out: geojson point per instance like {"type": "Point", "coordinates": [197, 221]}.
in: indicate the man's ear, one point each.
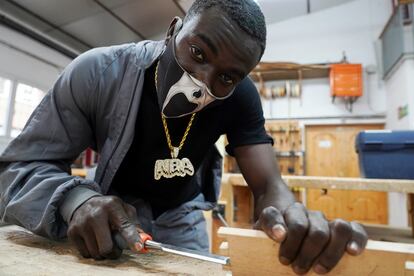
{"type": "Point", "coordinates": [175, 26]}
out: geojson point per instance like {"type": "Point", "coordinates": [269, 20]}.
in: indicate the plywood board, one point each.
{"type": "Point", "coordinates": [330, 149]}
{"type": "Point", "coordinates": [22, 253]}
{"type": "Point", "coordinates": [330, 152]}
{"type": "Point", "coordinates": [253, 253]}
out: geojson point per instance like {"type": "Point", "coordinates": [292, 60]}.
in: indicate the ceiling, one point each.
{"type": "Point", "coordinates": [82, 24]}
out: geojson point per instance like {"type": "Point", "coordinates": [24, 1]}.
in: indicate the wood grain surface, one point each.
{"type": "Point", "coordinates": [253, 253]}
{"type": "Point", "coordinates": [23, 253]}
{"type": "Point", "coordinates": [337, 183]}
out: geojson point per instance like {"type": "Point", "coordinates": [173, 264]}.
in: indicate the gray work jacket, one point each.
{"type": "Point", "coordinates": [94, 103]}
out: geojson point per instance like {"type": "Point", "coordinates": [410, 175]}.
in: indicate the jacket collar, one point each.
{"type": "Point", "coordinates": [148, 51]}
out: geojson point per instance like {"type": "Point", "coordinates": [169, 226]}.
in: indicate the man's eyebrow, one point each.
{"type": "Point", "coordinates": [209, 43]}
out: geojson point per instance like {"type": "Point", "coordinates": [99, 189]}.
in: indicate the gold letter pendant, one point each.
{"type": "Point", "coordinates": [170, 168]}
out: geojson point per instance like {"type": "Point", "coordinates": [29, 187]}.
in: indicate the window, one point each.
{"type": "Point", "coordinates": [27, 98]}
{"type": "Point", "coordinates": [17, 103]}
{"type": "Point", "coordinates": [5, 92]}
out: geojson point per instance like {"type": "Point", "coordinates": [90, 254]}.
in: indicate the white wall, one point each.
{"type": "Point", "coordinates": [400, 91]}
{"type": "Point", "coordinates": [40, 70]}
{"type": "Point", "coordinates": [322, 37]}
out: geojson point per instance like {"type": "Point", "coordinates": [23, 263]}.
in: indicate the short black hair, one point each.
{"type": "Point", "coordinates": [246, 13]}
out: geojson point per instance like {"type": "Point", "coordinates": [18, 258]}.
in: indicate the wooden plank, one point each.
{"type": "Point", "coordinates": [226, 194]}
{"type": "Point", "coordinates": [243, 207]}
{"type": "Point", "coordinates": [253, 253]}
{"type": "Point", "coordinates": [216, 241]}
{"type": "Point", "coordinates": [339, 183]}
{"type": "Point", "coordinates": [23, 253]}
{"type": "Point", "coordinates": [216, 223]}
{"type": "Point", "coordinates": [388, 233]}
{"type": "Point", "coordinates": [404, 2]}
{"type": "Point", "coordinates": [411, 211]}
{"type": "Point", "coordinates": [79, 172]}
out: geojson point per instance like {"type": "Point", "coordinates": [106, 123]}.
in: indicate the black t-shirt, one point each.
{"type": "Point", "coordinates": [240, 117]}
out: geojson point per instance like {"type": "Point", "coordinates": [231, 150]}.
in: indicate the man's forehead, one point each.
{"type": "Point", "coordinates": [210, 19]}
{"type": "Point", "coordinates": [214, 27]}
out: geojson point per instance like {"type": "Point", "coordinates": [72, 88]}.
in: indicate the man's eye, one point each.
{"type": "Point", "coordinates": [197, 53]}
{"type": "Point", "coordinates": [226, 79]}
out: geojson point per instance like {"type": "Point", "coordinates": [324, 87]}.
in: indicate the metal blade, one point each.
{"type": "Point", "coordinates": [188, 252]}
{"type": "Point", "coordinates": [120, 241]}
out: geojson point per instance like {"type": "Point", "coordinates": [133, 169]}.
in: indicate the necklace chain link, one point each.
{"type": "Point", "coordinates": [164, 122]}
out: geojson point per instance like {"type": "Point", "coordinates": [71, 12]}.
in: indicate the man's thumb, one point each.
{"type": "Point", "coordinates": [271, 221]}
{"type": "Point", "coordinates": [129, 238]}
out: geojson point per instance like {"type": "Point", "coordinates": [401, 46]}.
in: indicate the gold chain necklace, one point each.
{"type": "Point", "coordinates": [169, 168]}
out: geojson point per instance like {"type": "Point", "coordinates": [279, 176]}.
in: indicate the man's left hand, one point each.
{"type": "Point", "coordinates": [309, 240]}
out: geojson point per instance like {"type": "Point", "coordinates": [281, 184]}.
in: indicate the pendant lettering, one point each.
{"type": "Point", "coordinates": [170, 168]}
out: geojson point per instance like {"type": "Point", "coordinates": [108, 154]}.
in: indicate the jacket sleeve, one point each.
{"type": "Point", "coordinates": [35, 167]}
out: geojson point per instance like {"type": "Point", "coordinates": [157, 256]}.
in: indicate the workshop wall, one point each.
{"type": "Point", "coordinates": [400, 95]}
{"type": "Point", "coordinates": [321, 37]}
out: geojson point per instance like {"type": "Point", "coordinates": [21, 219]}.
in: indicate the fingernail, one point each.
{"type": "Point", "coordinates": [278, 232]}
{"type": "Point", "coordinates": [299, 270]}
{"type": "Point", "coordinates": [320, 269]}
{"type": "Point", "coordinates": [284, 260]}
{"type": "Point", "coordinates": [354, 247]}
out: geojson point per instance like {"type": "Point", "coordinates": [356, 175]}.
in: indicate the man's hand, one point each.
{"type": "Point", "coordinates": [93, 223]}
{"type": "Point", "coordinates": [309, 240]}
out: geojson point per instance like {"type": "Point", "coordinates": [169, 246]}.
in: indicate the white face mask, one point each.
{"type": "Point", "coordinates": [186, 95]}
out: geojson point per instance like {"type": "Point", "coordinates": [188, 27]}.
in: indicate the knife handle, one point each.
{"type": "Point", "coordinates": [122, 244]}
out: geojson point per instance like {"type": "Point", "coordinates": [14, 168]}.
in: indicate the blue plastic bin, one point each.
{"type": "Point", "coordinates": [386, 154]}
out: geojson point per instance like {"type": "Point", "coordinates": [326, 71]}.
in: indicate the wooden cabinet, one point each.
{"type": "Point", "coordinates": [330, 202]}
{"type": "Point", "coordinates": [369, 207]}
{"type": "Point", "coordinates": [331, 152]}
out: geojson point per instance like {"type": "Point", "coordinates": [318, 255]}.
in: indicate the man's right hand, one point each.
{"type": "Point", "coordinates": [95, 221]}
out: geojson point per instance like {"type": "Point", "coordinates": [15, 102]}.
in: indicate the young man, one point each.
{"type": "Point", "coordinates": [153, 111]}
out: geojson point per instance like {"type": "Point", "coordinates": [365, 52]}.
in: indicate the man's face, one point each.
{"type": "Point", "coordinates": [214, 50]}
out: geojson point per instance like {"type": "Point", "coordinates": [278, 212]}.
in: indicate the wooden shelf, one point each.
{"type": "Point", "coordinates": [289, 71]}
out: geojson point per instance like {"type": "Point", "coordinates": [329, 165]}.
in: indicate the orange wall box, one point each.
{"type": "Point", "coordinates": [346, 80]}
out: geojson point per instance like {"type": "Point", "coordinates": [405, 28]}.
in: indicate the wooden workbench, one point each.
{"type": "Point", "coordinates": [339, 183]}
{"type": "Point", "coordinates": [23, 253]}
{"type": "Point", "coordinates": [252, 253]}
{"type": "Point", "coordinates": [236, 182]}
